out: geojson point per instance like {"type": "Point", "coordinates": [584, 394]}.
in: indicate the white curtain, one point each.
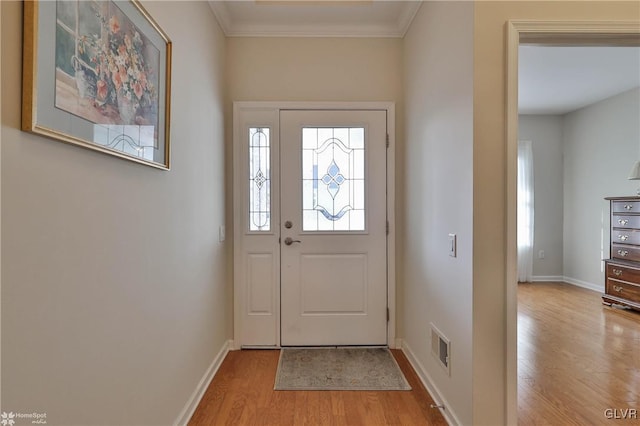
{"type": "Point", "coordinates": [525, 211]}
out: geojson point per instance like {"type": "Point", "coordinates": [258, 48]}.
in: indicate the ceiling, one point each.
{"type": "Point", "coordinates": [558, 80]}
{"type": "Point", "coordinates": [315, 18]}
{"type": "Point", "coordinates": [552, 79]}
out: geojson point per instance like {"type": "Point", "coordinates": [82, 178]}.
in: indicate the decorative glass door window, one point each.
{"type": "Point", "coordinates": [333, 179]}
{"type": "Point", "coordinates": [259, 179]}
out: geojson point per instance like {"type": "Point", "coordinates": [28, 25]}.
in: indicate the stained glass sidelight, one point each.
{"type": "Point", "coordinates": [333, 179]}
{"type": "Point", "coordinates": [259, 179]}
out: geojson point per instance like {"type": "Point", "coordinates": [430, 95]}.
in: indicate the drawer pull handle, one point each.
{"type": "Point", "coordinates": [617, 288]}
{"type": "Point", "coordinates": [623, 221]}
{"type": "Point", "coordinates": [623, 253]}
{"type": "Point", "coordinates": [628, 206]}
{"type": "Point", "coordinates": [623, 237]}
{"type": "Point", "coordinates": [617, 272]}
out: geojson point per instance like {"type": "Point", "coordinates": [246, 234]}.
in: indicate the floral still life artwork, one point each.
{"type": "Point", "coordinates": [97, 73]}
{"type": "Point", "coordinates": [106, 70]}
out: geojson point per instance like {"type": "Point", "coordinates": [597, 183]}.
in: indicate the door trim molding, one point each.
{"type": "Point", "coordinates": [553, 33]}
{"type": "Point", "coordinates": [274, 106]}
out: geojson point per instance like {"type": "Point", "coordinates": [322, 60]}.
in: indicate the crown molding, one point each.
{"type": "Point", "coordinates": [408, 14]}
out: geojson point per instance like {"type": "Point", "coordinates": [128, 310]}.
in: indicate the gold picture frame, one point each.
{"type": "Point", "coordinates": [98, 74]}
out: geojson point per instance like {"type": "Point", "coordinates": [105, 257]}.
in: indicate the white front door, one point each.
{"type": "Point", "coordinates": [333, 227]}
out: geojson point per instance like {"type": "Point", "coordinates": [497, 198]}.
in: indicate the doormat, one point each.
{"type": "Point", "coordinates": [339, 369]}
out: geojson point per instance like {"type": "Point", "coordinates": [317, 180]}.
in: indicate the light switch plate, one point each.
{"type": "Point", "coordinates": [453, 245]}
{"type": "Point", "coordinates": [221, 233]}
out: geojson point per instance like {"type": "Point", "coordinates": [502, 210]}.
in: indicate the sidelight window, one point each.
{"type": "Point", "coordinates": [259, 179]}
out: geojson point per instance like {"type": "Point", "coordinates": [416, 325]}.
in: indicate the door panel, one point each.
{"type": "Point", "coordinates": [259, 286]}
{"type": "Point", "coordinates": [333, 233]}
{"type": "Point", "coordinates": [325, 275]}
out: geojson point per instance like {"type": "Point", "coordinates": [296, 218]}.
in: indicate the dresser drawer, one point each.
{"type": "Point", "coordinates": [625, 236]}
{"type": "Point", "coordinates": [620, 251]}
{"type": "Point", "coordinates": [625, 221]}
{"type": "Point", "coordinates": [625, 207]}
{"type": "Point", "coordinates": [623, 290]}
{"type": "Point", "coordinates": [623, 273]}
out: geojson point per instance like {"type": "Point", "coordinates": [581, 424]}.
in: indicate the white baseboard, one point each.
{"type": "Point", "coordinates": [447, 412]}
{"type": "Point", "coordinates": [568, 280]}
{"type": "Point", "coordinates": [547, 278]}
{"type": "Point", "coordinates": [198, 393]}
{"type": "Point", "coordinates": [589, 286]}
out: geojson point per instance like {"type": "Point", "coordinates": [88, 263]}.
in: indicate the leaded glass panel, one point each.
{"type": "Point", "coordinates": [333, 179]}
{"type": "Point", "coordinates": [259, 179]}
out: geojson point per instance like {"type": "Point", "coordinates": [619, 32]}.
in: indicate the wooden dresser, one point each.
{"type": "Point", "coordinates": [622, 275]}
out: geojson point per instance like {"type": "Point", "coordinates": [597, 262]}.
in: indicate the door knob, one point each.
{"type": "Point", "coordinates": [288, 241]}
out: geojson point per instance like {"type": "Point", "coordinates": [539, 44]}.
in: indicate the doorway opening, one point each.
{"type": "Point", "coordinates": [542, 34]}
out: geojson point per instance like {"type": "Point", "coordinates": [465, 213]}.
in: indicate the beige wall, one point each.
{"type": "Point", "coordinates": [114, 293]}
{"type": "Point", "coordinates": [490, 305]}
{"type": "Point", "coordinates": [317, 69]}
{"type": "Point", "coordinates": [600, 148]}
{"type": "Point", "coordinates": [545, 133]}
{"type": "Point", "coordinates": [438, 174]}
{"type": "Point", "coordinates": [314, 69]}
{"type": "Point", "coordinates": [579, 158]}
{"type": "Point", "coordinates": [0, 213]}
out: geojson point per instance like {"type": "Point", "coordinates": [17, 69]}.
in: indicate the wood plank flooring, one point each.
{"type": "Point", "coordinates": [242, 393]}
{"type": "Point", "coordinates": [576, 357]}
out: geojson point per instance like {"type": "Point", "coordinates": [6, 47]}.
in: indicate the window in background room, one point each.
{"type": "Point", "coordinates": [525, 211]}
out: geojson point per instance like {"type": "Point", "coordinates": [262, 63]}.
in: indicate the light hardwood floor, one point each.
{"type": "Point", "coordinates": [576, 357]}
{"type": "Point", "coordinates": [242, 393]}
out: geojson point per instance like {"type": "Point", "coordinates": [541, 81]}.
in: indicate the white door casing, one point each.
{"type": "Point", "coordinates": [257, 251]}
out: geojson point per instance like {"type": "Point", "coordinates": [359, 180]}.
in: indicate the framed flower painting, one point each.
{"type": "Point", "coordinates": [98, 74]}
